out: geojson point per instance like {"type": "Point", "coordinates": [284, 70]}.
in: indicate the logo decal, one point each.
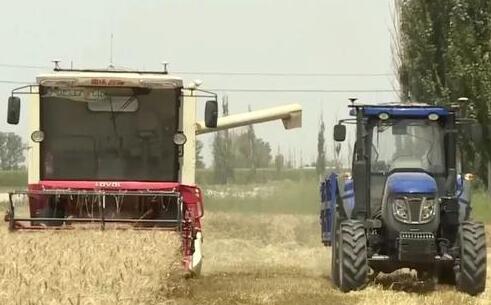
{"type": "Point", "coordinates": [107, 184]}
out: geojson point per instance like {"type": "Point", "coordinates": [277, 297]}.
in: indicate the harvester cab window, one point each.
{"type": "Point", "coordinates": [109, 134]}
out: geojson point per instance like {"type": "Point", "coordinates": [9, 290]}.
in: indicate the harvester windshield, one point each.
{"type": "Point", "coordinates": [407, 144]}
{"type": "Point", "coordinates": [108, 134]}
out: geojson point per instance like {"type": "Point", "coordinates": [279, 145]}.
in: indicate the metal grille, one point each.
{"type": "Point", "coordinates": [416, 235]}
{"type": "Point", "coordinates": [414, 208]}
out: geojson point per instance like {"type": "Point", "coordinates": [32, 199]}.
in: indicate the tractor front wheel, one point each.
{"type": "Point", "coordinates": [352, 256]}
{"type": "Point", "coordinates": [470, 276]}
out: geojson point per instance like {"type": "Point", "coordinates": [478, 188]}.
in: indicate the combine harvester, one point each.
{"type": "Point", "coordinates": [117, 148]}
{"type": "Point", "coordinates": [407, 204]}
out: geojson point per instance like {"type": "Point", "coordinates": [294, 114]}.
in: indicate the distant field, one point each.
{"type": "Point", "coordinates": [12, 179]}
{"type": "Point", "coordinates": [294, 197]}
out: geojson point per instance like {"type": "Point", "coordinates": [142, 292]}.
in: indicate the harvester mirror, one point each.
{"type": "Point", "coordinates": [13, 111]}
{"type": "Point", "coordinates": [211, 114]}
{"type": "Point", "coordinates": [339, 132]}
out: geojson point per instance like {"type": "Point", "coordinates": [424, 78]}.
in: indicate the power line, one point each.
{"type": "Point", "coordinates": [240, 73]}
{"type": "Point", "coordinates": [14, 82]}
{"type": "Point", "coordinates": [285, 74]}
{"type": "Point", "coordinates": [303, 90]}
{"type": "Point", "coordinates": [24, 66]}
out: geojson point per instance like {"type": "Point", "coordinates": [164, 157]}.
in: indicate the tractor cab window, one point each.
{"type": "Point", "coordinates": [407, 144]}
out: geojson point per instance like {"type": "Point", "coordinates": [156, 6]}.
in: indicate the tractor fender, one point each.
{"type": "Point", "coordinates": [332, 205]}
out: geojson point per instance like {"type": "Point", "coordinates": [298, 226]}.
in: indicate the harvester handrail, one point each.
{"type": "Point", "coordinates": [95, 192]}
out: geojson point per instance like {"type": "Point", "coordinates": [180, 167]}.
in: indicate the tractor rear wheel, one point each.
{"type": "Point", "coordinates": [352, 255]}
{"type": "Point", "coordinates": [470, 276]}
{"type": "Point", "coordinates": [335, 255]}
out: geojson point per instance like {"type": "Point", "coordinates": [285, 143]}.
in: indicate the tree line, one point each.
{"type": "Point", "coordinates": [241, 148]}
{"type": "Point", "coordinates": [11, 151]}
{"type": "Point", "coordinates": [442, 53]}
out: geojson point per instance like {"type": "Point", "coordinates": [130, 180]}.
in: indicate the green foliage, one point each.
{"type": "Point", "coordinates": [263, 175]}
{"type": "Point", "coordinates": [13, 179]}
{"type": "Point", "coordinates": [481, 206]}
{"type": "Point", "coordinates": [279, 161]}
{"type": "Point", "coordinates": [222, 158]}
{"type": "Point", "coordinates": [199, 156]}
{"type": "Point", "coordinates": [443, 53]}
{"type": "Point", "coordinates": [11, 151]}
{"type": "Point", "coordinates": [321, 153]}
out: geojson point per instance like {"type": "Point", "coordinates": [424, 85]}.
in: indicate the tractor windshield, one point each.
{"type": "Point", "coordinates": [108, 134]}
{"type": "Point", "coordinates": [407, 144]}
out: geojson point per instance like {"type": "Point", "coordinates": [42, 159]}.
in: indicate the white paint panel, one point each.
{"type": "Point", "coordinates": [31, 104]}
{"type": "Point", "coordinates": [189, 127]}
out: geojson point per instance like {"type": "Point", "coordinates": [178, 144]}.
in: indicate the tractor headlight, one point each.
{"type": "Point", "coordinates": [428, 209]}
{"type": "Point", "coordinates": [400, 209]}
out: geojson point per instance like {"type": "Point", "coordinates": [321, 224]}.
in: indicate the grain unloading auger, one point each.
{"type": "Point", "coordinates": [114, 148]}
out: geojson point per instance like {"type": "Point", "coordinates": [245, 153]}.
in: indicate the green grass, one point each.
{"type": "Point", "coordinates": [290, 197]}
{"type": "Point", "coordinates": [243, 176]}
{"type": "Point", "coordinates": [481, 206]}
{"type": "Point", "coordinates": [13, 179]}
{"type": "Point", "coordinates": [286, 197]}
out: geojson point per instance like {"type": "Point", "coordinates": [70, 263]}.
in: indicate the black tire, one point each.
{"type": "Point", "coordinates": [470, 275]}
{"type": "Point", "coordinates": [352, 255]}
{"type": "Point", "coordinates": [335, 254]}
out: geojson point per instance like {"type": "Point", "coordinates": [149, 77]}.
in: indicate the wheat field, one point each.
{"type": "Point", "coordinates": [87, 267]}
{"type": "Point", "coordinates": [249, 259]}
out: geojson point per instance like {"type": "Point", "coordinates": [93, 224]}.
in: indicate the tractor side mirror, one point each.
{"type": "Point", "coordinates": [13, 111]}
{"type": "Point", "coordinates": [339, 133]}
{"type": "Point", "coordinates": [211, 114]}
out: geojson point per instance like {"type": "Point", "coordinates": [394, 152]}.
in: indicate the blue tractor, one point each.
{"type": "Point", "coordinates": [406, 203]}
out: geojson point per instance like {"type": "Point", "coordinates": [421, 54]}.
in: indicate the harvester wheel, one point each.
{"type": "Point", "coordinates": [352, 252]}
{"type": "Point", "coordinates": [470, 275]}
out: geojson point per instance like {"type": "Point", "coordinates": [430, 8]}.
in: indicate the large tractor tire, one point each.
{"type": "Point", "coordinates": [352, 256]}
{"type": "Point", "coordinates": [335, 253]}
{"type": "Point", "coordinates": [470, 275]}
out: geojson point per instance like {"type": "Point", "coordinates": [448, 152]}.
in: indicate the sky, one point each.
{"type": "Point", "coordinates": [348, 42]}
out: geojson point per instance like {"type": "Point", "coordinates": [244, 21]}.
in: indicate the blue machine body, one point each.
{"type": "Point", "coordinates": [411, 183]}
{"type": "Point", "coordinates": [336, 190]}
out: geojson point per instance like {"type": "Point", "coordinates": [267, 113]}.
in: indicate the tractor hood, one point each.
{"type": "Point", "coordinates": [410, 183]}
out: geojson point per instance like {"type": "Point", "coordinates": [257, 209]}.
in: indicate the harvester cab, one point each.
{"type": "Point", "coordinates": [406, 203]}
{"type": "Point", "coordinates": [113, 148]}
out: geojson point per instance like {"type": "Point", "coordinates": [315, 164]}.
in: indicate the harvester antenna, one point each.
{"type": "Point", "coordinates": [353, 100]}
{"type": "Point", "coordinates": [165, 64]}
{"type": "Point", "coordinates": [111, 65]}
{"type": "Point", "coordinates": [57, 63]}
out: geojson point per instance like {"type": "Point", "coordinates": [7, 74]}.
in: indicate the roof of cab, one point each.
{"type": "Point", "coordinates": [413, 110]}
{"type": "Point", "coordinates": [110, 78]}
